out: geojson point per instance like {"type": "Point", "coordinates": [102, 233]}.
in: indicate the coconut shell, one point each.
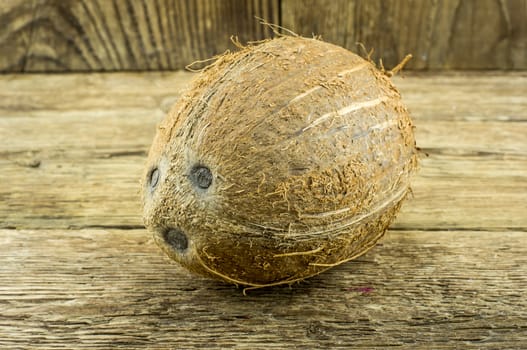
{"type": "Point", "coordinates": [280, 161]}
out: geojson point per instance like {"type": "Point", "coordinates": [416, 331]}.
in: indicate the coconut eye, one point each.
{"type": "Point", "coordinates": [201, 176]}
{"type": "Point", "coordinates": [176, 239]}
{"type": "Point", "coordinates": [153, 179]}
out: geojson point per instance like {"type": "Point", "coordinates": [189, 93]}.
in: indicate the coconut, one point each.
{"type": "Point", "coordinates": [280, 161]}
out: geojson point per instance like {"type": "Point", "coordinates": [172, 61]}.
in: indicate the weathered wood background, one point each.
{"type": "Point", "coordinates": [77, 270]}
{"type": "Point", "coordinates": [117, 35]}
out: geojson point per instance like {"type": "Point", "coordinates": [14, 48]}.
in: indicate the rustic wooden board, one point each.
{"type": "Point", "coordinates": [452, 34]}
{"type": "Point", "coordinates": [113, 289]}
{"type": "Point", "coordinates": [117, 35]}
{"type": "Point", "coordinates": [77, 270]}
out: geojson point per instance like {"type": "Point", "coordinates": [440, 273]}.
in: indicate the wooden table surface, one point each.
{"type": "Point", "coordinates": [78, 270]}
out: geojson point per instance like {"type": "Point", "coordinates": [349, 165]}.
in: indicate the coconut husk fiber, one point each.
{"type": "Point", "coordinates": [281, 160]}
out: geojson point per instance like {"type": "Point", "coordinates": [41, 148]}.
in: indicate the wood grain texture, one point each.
{"type": "Point", "coordinates": [117, 35]}
{"type": "Point", "coordinates": [446, 34]}
{"type": "Point", "coordinates": [103, 289]}
{"type": "Point", "coordinates": [78, 271]}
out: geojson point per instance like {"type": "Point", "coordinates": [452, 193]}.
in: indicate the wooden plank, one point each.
{"type": "Point", "coordinates": [102, 289]}
{"type": "Point", "coordinates": [74, 158]}
{"type": "Point", "coordinates": [96, 183]}
{"type": "Point", "coordinates": [15, 38]}
{"type": "Point", "coordinates": [449, 34]}
{"type": "Point", "coordinates": [100, 35]}
{"type": "Point", "coordinates": [469, 96]}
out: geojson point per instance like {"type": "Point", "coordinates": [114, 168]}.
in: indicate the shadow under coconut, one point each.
{"type": "Point", "coordinates": [360, 275]}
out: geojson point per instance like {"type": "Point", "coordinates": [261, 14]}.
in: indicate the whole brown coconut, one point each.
{"type": "Point", "coordinates": [281, 160]}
